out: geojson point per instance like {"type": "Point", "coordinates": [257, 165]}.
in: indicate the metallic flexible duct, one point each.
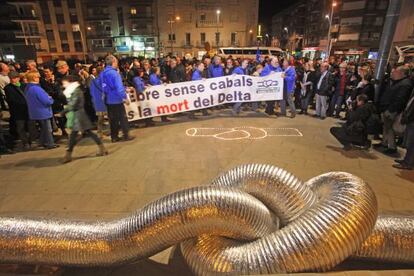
{"type": "Point", "coordinates": [157, 226]}
{"type": "Point", "coordinates": [229, 227]}
{"type": "Point", "coordinates": [320, 238]}
{"type": "Point", "coordinates": [392, 240]}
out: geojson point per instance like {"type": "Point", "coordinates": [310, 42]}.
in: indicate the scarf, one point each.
{"type": "Point", "coordinates": [70, 89]}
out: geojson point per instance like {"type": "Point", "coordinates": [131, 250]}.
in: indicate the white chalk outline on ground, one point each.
{"type": "Point", "coordinates": [194, 132]}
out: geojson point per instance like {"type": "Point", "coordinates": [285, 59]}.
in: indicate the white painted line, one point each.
{"type": "Point", "coordinates": [242, 133]}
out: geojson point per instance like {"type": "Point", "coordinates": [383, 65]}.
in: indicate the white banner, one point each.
{"type": "Point", "coordinates": [180, 97]}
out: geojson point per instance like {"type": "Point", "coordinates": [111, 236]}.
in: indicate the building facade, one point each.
{"type": "Point", "coordinates": [355, 29]}
{"type": "Point", "coordinates": [194, 27]}
{"type": "Point", "coordinates": [124, 27]}
{"type": "Point", "coordinates": [54, 28]}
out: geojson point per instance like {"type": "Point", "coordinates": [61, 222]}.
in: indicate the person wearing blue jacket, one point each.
{"type": "Point", "coordinates": [97, 95]}
{"type": "Point", "coordinates": [198, 75]}
{"type": "Point", "coordinates": [241, 70]}
{"type": "Point", "coordinates": [198, 72]}
{"type": "Point", "coordinates": [155, 79]}
{"type": "Point", "coordinates": [215, 69]}
{"type": "Point", "coordinates": [39, 105]}
{"type": "Point", "coordinates": [272, 67]}
{"type": "Point", "coordinates": [288, 89]}
{"type": "Point", "coordinates": [115, 97]}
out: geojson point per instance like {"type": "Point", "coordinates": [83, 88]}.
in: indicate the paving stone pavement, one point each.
{"type": "Point", "coordinates": [164, 159]}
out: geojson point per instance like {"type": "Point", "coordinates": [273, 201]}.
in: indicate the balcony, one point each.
{"type": "Point", "coordinates": [20, 34]}
{"type": "Point", "coordinates": [209, 24]}
{"type": "Point", "coordinates": [141, 16]}
{"type": "Point", "coordinates": [98, 17]}
{"type": "Point", "coordinates": [187, 44]}
{"type": "Point", "coordinates": [98, 34]}
{"type": "Point", "coordinates": [23, 17]}
{"type": "Point", "coordinates": [101, 49]}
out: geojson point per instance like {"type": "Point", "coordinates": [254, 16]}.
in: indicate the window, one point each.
{"type": "Point", "coordinates": [71, 4]}
{"type": "Point", "coordinates": [76, 35]}
{"type": "Point", "coordinates": [63, 36]}
{"type": "Point", "coordinates": [60, 19]}
{"type": "Point", "coordinates": [187, 38]}
{"type": "Point", "coordinates": [233, 38]}
{"type": "Point", "coordinates": [382, 4]}
{"type": "Point", "coordinates": [133, 11]}
{"type": "Point", "coordinates": [349, 21]}
{"type": "Point", "coordinates": [171, 37]}
{"type": "Point", "coordinates": [120, 21]}
{"type": "Point", "coordinates": [217, 38]}
{"type": "Point", "coordinates": [57, 3]}
{"type": "Point", "coordinates": [46, 18]}
{"type": "Point", "coordinates": [73, 18]}
{"type": "Point", "coordinates": [78, 46]}
{"type": "Point", "coordinates": [65, 47]}
{"type": "Point", "coordinates": [203, 38]}
{"type": "Point", "coordinates": [49, 35]}
{"type": "Point", "coordinates": [203, 17]}
{"type": "Point", "coordinates": [379, 21]}
{"type": "Point", "coordinates": [356, 5]}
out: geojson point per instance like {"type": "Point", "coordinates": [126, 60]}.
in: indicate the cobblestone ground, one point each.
{"type": "Point", "coordinates": [179, 155]}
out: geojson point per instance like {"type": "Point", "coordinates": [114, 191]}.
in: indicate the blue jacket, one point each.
{"type": "Point", "coordinates": [38, 102]}
{"type": "Point", "coordinates": [154, 79]}
{"type": "Point", "coordinates": [112, 86]}
{"type": "Point", "coordinates": [215, 71]}
{"type": "Point", "coordinates": [138, 84]}
{"type": "Point", "coordinates": [239, 71]}
{"type": "Point", "coordinates": [97, 94]}
{"type": "Point", "coordinates": [197, 75]}
{"type": "Point", "coordinates": [290, 79]}
{"type": "Point", "coordinates": [269, 68]}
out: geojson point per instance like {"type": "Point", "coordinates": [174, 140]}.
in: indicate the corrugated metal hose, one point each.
{"type": "Point", "coordinates": [252, 219]}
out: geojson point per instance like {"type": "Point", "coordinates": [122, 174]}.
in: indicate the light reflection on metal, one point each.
{"type": "Point", "coordinates": [231, 226]}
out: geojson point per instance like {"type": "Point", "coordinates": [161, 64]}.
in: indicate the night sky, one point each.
{"type": "Point", "coordinates": [267, 8]}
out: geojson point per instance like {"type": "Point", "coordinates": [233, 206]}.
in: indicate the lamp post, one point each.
{"type": "Point", "coordinates": [217, 31]}
{"type": "Point", "coordinates": [171, 22]}
{"type": "Point", "coordinates": [287, 34]}
{"type": "Point", "coordinates": [77, 28]}
{"type": "Point", "coordinates": [330, 17]}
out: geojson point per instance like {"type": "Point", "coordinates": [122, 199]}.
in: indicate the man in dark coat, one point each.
{"type": "Point", "coordinates": [323, 90]}
{"type": "Point", "coordinates": [175, 74]}
{"type": "Point", "coordinates": [355, 129]}
{"type": "Point", "coordinates": [408, 120]}
{"type": "Point", "coordinates": [53, 88]}
{"type": "Point", "coordinates": [392, 102]}
{"type": "Point", "coordinates": [18, 110]}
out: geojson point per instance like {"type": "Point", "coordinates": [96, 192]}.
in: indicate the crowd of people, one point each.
{"type": "Point", "coordinates": [47, 99]}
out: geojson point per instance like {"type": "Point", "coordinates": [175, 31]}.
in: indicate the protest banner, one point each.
{"type": "Point", "coordinates": [166, 99]}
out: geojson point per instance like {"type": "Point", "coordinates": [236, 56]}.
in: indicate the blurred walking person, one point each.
{"type": "Point", "coordinates": [77, 120]}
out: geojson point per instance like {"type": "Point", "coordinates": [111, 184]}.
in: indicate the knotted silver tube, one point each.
{"type": "Point", "coordinates": [231, 226]}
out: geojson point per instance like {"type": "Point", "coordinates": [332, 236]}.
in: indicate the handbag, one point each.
{"type": "Point", "coordinates": [397, 126]}
{"type": "Point", "coordinates": [70, 118]}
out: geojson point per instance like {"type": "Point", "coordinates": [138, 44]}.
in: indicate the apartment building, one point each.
{"type": "Point", "coordinates": [193, 27]}
{"type": "Point", "coordinates": [88, 29]}
{"type": "Point", "coordinates": [355, 30]}
{"type": "Point", "coordinates": [124, 27]}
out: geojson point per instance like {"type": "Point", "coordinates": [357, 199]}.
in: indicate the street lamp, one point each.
{"type": "Point", "coordinates": [287, 34]}
{"type": "Point", "coordinates": [171, 22]}
{"type": "Point", "coordinates": [330, 17]}
{"type": "Point", "coordinates": [217, 31]}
